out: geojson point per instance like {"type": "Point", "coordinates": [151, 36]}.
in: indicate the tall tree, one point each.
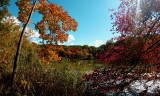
{"type": "Point", "coordinates": [3, 8]}
{"type": "Point", "coordinates": [52, 28]}
{"type": "Point", "coordinates": [3, 11]}
{"type": "Point", "coordinates": [136, 50]}
{"type": "Point", "coordinates": [20, 43]}
{"type": "Point", "coordinates": [138, 25]}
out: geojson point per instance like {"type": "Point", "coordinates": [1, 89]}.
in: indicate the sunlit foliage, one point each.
{"type": "Point", "coordinates": [53, 26]}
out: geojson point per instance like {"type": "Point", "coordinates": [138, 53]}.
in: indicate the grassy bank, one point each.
{"type": "Point", "coordinates": [58, 79]}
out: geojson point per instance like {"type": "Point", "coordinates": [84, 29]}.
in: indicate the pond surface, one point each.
{"type": "Point", "coordinates": [87, 66]}
{"type": "Point", "coordinates": [93, 63]}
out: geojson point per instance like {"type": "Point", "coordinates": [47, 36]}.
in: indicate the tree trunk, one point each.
{"type": "Point", "coordinates": [20, 45]}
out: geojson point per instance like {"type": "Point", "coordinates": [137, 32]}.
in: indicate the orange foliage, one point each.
{"type": "Point", "coordinates": [25, 9]}
{"type": "Point", "coordinates": [58, 22]}
{"type": "Point", "coordinates": [50, 53]}
{"type": "Point", "coordinates": [52, 28]}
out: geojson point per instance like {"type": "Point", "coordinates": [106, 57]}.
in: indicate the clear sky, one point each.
{"type": "Point", "coordinates": [93, 19]}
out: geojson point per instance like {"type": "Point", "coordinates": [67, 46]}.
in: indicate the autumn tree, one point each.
{"type": "Point", "coordinates": [3, 11]}
{"type": "Point", "coordinates": [7, 43]}
{"type": "Point", "coordinates": [9, 38]}
{"type": "Point", "coordinates": [78, 52]}
{"type": "Point", "coordinates": [52, 28]}
{"type": "Point", "coordinates": [139, 32]}
{"type": "Point", "coordinates": [3, 8]}
{"type": "Point", "coordinates": [136, 51]}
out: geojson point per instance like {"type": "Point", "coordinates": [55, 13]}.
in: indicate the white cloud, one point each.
{"type": "Point", "coordinates": [35, 37]}
{"type": "Point", "coordinates": [72, 44]}
{"type": "Point", "coordinates": [29, 31]}
{"type": "Point", "coordinates": [11, 19]}
{"type": "Point", "coordinates": [71, 38]}
{"type": "Point", "coordinates": [32, 35]}
{"type": "Point", "coordinates": [61, 43]}
{"type": "Point", "coordinates": [35, 40]}
{"type": "Point", "coordinates": [97, 43]}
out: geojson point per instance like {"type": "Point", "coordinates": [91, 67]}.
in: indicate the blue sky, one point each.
{"type": "Point", "coordinates": [93, 19]}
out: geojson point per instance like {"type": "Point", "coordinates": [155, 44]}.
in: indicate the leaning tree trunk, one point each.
{"type": "Point", "coordinates": [20, 44]}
